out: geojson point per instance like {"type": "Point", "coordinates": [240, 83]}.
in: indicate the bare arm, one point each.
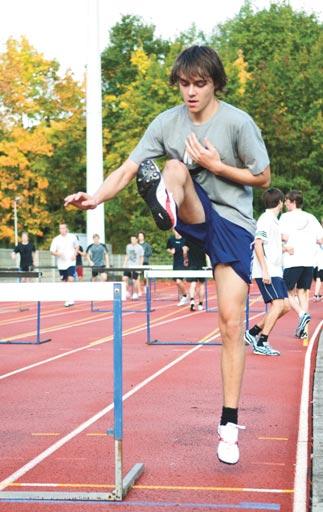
{"type": "Point", "coordinates": [209, 158]}
{"type": "Point", "coordinates": [114, 183]}
{"type": "Point", "coordinates": [259, 250]}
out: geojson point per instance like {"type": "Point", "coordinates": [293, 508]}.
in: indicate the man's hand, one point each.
{"type": "Point", "coordinates": [206, 156]}
{"type": "Point", "coordinates": [266, 279]}
{"type": "Point", "coordinates": [81, 200]}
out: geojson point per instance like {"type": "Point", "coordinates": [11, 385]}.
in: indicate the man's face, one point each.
{"type": "Point", "coordinates": [63, 229]}
{"type": "Point", "coordinates": [96, 240]}
{"type": "Point", "coordinates": [141, 238]}
{"type": "Point", "coordinates": [24, 238]}
{"type": "Point", "coordinates": [197, 92]}
{"type": "Point", "coordinates": [133, 240]}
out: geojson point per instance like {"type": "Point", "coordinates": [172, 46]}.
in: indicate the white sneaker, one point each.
{"type": "Point", "coordinates": [228, 449]}
{"type": "Point", "coordinates": [183, 301]}
{"type": "Point", "coordinates": [135, 296]}
{"type": "Point", "coordinates": [200, 307]}
{"type": "Point", "coordinates": [68, 303]}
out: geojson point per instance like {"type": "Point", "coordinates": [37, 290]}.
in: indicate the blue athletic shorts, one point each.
{"type": "Point", "coordinates": [223, 241]}
{"type": "Point", "coordinates": [68, 272]}
{"type": "Point", "coordinates": [276, 290]}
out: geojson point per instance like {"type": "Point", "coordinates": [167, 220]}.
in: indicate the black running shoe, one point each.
{"type": "Point", "coordinates": [152, 189]}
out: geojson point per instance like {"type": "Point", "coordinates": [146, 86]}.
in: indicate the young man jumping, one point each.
{"type": "Point", "coordinates": [215, 156]}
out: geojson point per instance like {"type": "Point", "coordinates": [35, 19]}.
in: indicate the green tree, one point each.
{"type": "Point", "coordinates": [283, 52]}
{"type": "Point", "coordinates": [42, 147]}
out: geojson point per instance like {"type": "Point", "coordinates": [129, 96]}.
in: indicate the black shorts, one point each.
{"type": "Point", "coordinates": [131, 274]}
{"type": "Point", "coordinates": [195, 279]}
{"type": "Point", "coordinates": [302, 277]}
{"type": "Point", "coordinates": [98, 270]}
{"type": "Point", "coordinates": [27, 268]}
{"type": "Point", "coordinates": [318, 274]}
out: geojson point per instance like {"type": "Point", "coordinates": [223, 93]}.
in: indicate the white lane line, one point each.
{"type": "Point", "coordinates": [132, 330]}
{"type": "Point", "coordinates": [61, 442]}
{"type": "Point", "coordinates": [301, 470]}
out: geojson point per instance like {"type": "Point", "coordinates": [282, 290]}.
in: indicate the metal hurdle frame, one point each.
{"type": "Point", "coordinates": [164, 274]}
{"type": "Point", "coordinates": [116, 292]}
{"type": "Point", "coordinates": [19, 275]}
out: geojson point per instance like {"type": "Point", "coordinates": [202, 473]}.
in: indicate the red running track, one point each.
{"type": "Point", "coordinates": [51, 390]}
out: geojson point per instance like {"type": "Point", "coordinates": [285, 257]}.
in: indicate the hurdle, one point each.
{"type": "Point", "coordinates": [173, 274]}
{"type": "Point", "coordinates": [84, 292]}
{"type": "Point", "coordinates": [17, 298]}
{"type": "Point", "coordinates": [141, 268]}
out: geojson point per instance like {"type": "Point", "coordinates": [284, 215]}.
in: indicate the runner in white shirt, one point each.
{"type": "Point", "coordinates": [64, 247]}
{"type": "Point", "coordinates": [268, 272]}
{"type": "Point", "coordinates": [302, 232]}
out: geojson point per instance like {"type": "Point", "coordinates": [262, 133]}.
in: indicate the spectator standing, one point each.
{"type": "Point", "coordinates": [98, 257]}
{"type": "Point", "coordinates": [134, 258]}
{"type": "Point", "coordinates": [301, 232]}
{"type": "Point", "coordinates": [176, 246]}
{"type": "Point", "coordinates": [26, 250]}
{"type": "Point", "coordinates": [79, 261]}
{"type": "Point", "coordinates": [196, 261]}
{"type": "Point", "coordinates": [64, 247]}
{"type": "Point", "coordinates": [146, 247]}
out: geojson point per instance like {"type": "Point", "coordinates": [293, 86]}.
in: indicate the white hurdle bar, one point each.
{"type": "Point", "coordinates": [40, 292]}
{"type": "Point", "coordinates": [172, 274]}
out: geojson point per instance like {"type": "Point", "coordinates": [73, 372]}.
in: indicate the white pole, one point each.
{"type": "Point", "coordinates": [94, 148]}
{"type": "Point", "coordinates": [15, 218]}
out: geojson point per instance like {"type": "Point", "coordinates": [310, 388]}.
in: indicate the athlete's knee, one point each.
{"type": "Point", "coordinates": [175, 165]}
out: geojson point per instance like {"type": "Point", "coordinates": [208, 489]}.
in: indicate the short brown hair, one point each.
{"type": "Point", "coordinates": [200, 61]}
{"type": "Point", "coordinates": [271, 197]}
{"type": "Point", "coordinates": [295, 196]}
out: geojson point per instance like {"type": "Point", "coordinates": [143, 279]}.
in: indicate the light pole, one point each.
{"type": "Point", "coordinates": [15, 218]}
{"type": "Point", "coordinates": [94, 145]}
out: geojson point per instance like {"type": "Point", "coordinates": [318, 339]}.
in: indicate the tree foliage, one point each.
{"type": "Point", "coordinates": [273, 58]}
{"type": "Point", "coordinates": [42, 141]}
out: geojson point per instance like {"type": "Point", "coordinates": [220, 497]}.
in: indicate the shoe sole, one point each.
{"type": "Point", "coordinates": [148, 180]}
{"type": "Point", "coordinates": [228, 463]}
{"type": "Point", "coordinates": [264, 354]}
{"type": "Point", "coordinates": [301, 327]}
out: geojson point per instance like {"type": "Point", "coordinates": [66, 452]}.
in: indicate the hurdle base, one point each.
{"type": "Point", "coordinates": [190, 343]}
{"type": "Point", "coordinates": [22, 342]}
{"type": "Point", "coordinates": [25, 496]}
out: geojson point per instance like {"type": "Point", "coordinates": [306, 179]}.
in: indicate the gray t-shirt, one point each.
{"type": "Point", "coordinates": [237, 139]}
{"type": "Point", "coordinates": [97, 254]}
{"type": "Point", "coordinates": [134, 253]}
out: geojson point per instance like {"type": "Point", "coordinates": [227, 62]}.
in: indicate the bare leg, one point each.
{"type": "Point", "coordinates": [201, 292]}
{"type": "Point", "coordinates": [285, 309]}
{"type": "Point", "coordinates": [231, 317]}
{"type": "Point", "coordinates": [294, 303]}
{"type": "Point", "coordinates": [179, 182]}
{"type": "Point", "coordinates": [277, 309]}
{"type": "Point", "coordinates": [303, 299]}
{"type": "Point", "coordinates": [181, 287]}
{"type": "Point", "coordinates": [318, 284]}
{"type": "Point", "coordinates": [192, 290]}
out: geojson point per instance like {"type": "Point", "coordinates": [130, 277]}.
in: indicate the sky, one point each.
{"type": "Point", "coordinates": [58, 28]}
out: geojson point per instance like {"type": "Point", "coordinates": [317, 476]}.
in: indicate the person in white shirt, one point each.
{"type": "Point", "coordinates": [65, 247]}
{"type": "Point", "coordinates": [268, 273]}
{"type": "Point", "coordinates": [300, 231]}
{"type": "Point", "coordinates": [134, 258]}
